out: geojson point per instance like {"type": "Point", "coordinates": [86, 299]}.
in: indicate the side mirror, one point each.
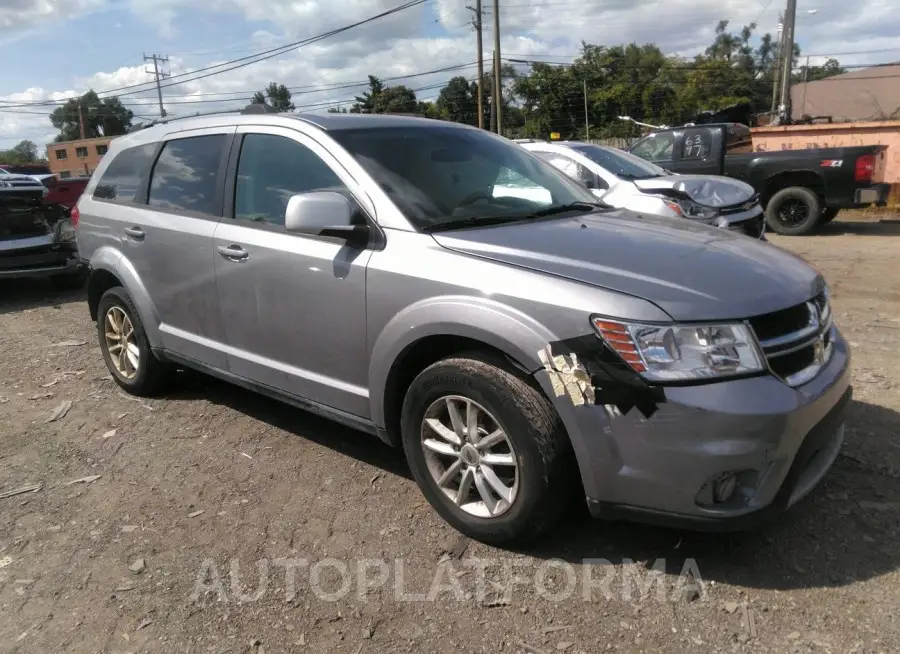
{"type": "Point", "coordinates": [323, 213]}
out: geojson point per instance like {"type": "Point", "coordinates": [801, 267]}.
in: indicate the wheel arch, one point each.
{"type": "Point", "coordinates": [435, 329]}
{"type": "Point", "coordinates": [808, 179]}
{"type": "Point", "coordinates": [109, 269]}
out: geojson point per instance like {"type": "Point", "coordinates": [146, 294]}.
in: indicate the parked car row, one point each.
{"type": "Point", "coordinates": [799, 189]}
{"type": "Point", "coordinates": [626, 181]}
{"type": "Point", "coordinates": [452, 293]}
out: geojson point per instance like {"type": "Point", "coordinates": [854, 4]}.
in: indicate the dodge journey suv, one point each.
{"type": "Point", "coordinates": [523, 352]}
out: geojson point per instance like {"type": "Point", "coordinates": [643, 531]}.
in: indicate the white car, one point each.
{"type": "Point", "coordinates": [625, 181]}
{"type": "Point", "coordinates": [21, 186]}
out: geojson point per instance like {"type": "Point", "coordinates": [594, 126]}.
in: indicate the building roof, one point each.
{"type": "Point", "coordinates": [869, 94]}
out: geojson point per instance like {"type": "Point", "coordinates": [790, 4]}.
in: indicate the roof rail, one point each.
{"type": "Point", "coordinates": [252, 108]}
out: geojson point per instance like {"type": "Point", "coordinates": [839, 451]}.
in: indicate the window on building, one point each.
{"type": "Point", "coordinates": [101, 149]}
{"type": "Point", "coordinates": [81, 152]}
{"type": "Point", "coordinates": [61, 155]}
{"type": "Point", "coordinates": [122, 178]}
{"type": "Point", "coordinates": [184, 178]}
{"type": "Point", "coordinates": [272, 169]}
{"type": "Point", "coordinates": [64, 174]}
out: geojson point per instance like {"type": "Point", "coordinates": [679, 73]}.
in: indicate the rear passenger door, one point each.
{"type": "Point", "coordinates": [169, 242]}
{"type": "Point", "coordinates": [294, 305]}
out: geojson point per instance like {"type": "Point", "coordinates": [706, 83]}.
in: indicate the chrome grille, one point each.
{"type": "Point", "coordinates": [798, 341]}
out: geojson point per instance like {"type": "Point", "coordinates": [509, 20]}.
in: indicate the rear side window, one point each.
{"type": "Point", "coordinates": [184, 177]}
{"type": "Point", "coordinates": [123, 176]}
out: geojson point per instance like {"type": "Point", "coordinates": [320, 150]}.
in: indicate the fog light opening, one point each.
{"type": "Point", "coordinates": [724, 487]}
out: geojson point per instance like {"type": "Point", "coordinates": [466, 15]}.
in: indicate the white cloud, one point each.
{"type": "Point", "coordinates": [19, 17]}
{"type": "Point", "coordinates": [396, 46]}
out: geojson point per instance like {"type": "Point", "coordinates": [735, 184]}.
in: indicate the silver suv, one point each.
{"type": "Point", "coordinates": [522, 351]}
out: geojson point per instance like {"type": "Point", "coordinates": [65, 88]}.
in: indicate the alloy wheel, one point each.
{"type": "Point", "coordinates": [470, 457]}
{"type": "Point", "coordinates": [121, 342]}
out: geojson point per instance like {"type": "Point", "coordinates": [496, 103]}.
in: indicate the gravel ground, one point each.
{"type": "Point", "coordinates": [214, 520]}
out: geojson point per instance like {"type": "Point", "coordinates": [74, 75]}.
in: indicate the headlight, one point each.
{"type": "Point", "coordinates": [667, 353]}
{"type": "Point", "coordinates": [688, 209]}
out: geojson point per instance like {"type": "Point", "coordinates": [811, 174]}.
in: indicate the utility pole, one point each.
{"type": "Point", "coordinates": [494, 98]}
{"type": "Point", "coordinates": [476, 23]}
{"type": "Point", "coordinates": [787, 60]}
{"type": "Point", "coordinates": [80, 120]}
{"type": "Point", "coordinates": [498, 89]}
{"type": "Point", "coordinates": [805, 85]}
{"type": "Point", "coordinates": [776, 72]}
{"type": "Point", "coordinates": [587, 124]}
{"type": "Point", "coordinates": [158, 75]}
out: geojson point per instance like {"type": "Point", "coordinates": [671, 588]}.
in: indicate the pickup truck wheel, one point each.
{"type": "Point", "coordinates": [793, 211]}
{"type": "Point", "coordinates": [828, 215]}
{"type": "Point", "coordinates": [125, 347]}
{"type": "Point", "coordinates": [487, 449]}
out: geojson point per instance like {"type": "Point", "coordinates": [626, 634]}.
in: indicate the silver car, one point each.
{"type": "Point", "coordinates": [625, 181]}
{"type": "Point", "coordinates": [522, 352]}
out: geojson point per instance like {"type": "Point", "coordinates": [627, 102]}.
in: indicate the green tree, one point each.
{"type": "Point", "coordinates": [458, 101]}
{"type": "Point", "coordinates": [396, 99]}
{"type": "Point", "coordinates": [23, 152]}
{"type": "Point", "coordinates": [365, 103]}
{"type": "Point", "coordinates": [276, 96]}
{"type": "Point", "coordinates": [106, 117]}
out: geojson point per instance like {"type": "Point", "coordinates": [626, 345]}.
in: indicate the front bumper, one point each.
{"type": "Point", "coordinates": [778, 441]}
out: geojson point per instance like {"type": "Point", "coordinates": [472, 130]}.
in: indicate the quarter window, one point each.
{"type": "Point", "coordinates": [696, 145]}
{"type": "Point", "coordinates": [273, 168]}
{"type": "Point", "coordinates": [184, 177]}
{"type": "Point", "coordinates": [122, 178]}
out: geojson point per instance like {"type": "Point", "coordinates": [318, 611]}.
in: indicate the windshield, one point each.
{"type": "Point", "coordinates": [27, 170]}
{"type": "Point", "coordinates": [620, 163]}
{"type": "Point", "coordinates": [439, 175]}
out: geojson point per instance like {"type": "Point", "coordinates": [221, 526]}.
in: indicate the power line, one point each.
{"type": "Point", "coordinates": [250, 92]}
{"type": "Point", "coordinates": [260, 56]}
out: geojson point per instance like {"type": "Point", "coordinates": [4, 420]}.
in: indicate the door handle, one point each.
{"type": "Point", "coordinates": [135, 233]}
{"type": "Point", "coordinates": [233, 252]}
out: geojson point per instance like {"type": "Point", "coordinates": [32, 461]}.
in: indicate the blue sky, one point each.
{"type": "Point", "coordinates": [63, 47]}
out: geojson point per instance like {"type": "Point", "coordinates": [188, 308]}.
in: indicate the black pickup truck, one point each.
{"type": "Point", "coordinates": [800, 189]}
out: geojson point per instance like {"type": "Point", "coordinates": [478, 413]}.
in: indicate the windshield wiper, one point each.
{"type": "Point", "coordinates": [573, 206]}
{"type": "Point", "coordinates": [475, 221]}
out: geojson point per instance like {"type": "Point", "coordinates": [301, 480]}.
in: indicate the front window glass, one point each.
{"type": "Point", "coordinates": [656, 147]}
{"type": "Point", "coordinates": [437, 175]}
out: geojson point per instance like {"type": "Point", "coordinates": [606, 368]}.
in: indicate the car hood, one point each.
{"type": "Point", "coordinates": [20, 180]}
{"type": "Point", "coordinates": [710, 190]}
{"type": "Point", "coordinates": [691, 271]}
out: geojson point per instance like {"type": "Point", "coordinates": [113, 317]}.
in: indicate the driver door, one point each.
{"type": "Point", "coordinates": [294, 306]}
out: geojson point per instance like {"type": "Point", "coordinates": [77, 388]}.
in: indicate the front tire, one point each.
{"type": "Point", "coordinates": [125, 347]}
{"type": "Point", "coordinates": [794, 211]}
{"type": "Point", "coordinates": [487, 449]}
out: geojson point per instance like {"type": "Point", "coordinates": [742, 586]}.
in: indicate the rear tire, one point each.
{"type": "Point", "coordinates": [125, 347]}
{"type": "Point", "coordinates": [794, 211]}
{"type": "Point", "coordinates": [539, 484]}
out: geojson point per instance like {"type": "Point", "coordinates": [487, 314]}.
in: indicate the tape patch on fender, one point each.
{"type": "Point", "coordinates": [588, 373]}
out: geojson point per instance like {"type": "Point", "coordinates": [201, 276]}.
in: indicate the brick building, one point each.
{"type": "Point", "coordinates": [76, 158]}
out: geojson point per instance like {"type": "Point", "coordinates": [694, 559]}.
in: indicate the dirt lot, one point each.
{"type": "Point", "coordinates": [175, 524]}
